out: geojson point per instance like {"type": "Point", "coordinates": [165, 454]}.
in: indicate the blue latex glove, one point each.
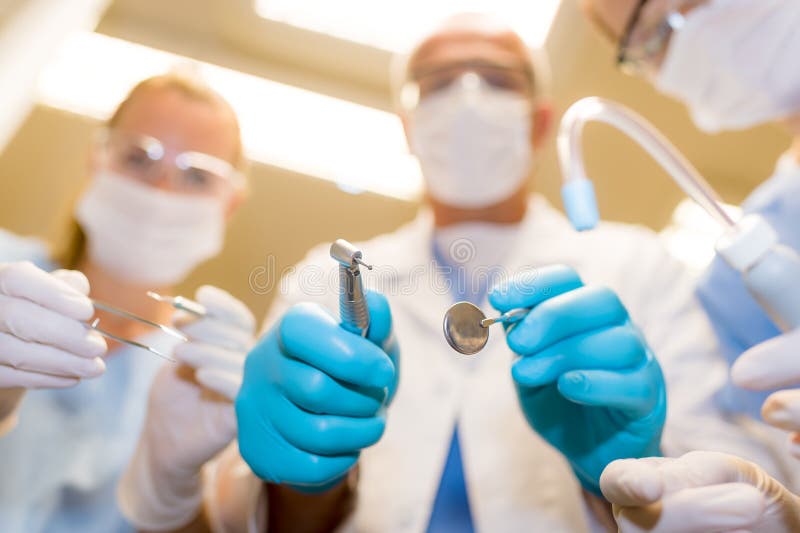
{"type": "Point", "coordinates": [314, 395]}
{"type": "Point", "coordinates": [585, 377]}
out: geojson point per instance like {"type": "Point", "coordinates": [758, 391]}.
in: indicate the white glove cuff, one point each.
{"type": "Point", "coordinates": [234, 498]}
{"type": "Point", "coordinates": [257, 516]}
{"type": "Point", "coordinates": [154, 500]}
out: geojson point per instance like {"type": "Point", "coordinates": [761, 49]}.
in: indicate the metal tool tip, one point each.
{"type": "Point", "coordinates": [155, 296]}
{"type": "Point", "coordinates": [362, 263]}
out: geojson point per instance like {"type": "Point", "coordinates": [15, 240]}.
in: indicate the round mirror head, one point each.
{"type": "Point", "coordinates": [463, 329]}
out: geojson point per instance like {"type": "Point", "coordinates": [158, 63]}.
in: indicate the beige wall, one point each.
{"type": "Point", "coordinates": [42, 170]}
{"type": "Point", "coordinates": [630, 186]}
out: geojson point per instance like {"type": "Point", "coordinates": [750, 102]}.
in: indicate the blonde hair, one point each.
{"type": "Point", "coordinates": [190, 86]}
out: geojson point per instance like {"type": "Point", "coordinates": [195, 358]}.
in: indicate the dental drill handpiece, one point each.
{"type": "Point", "coordinates": [353, 308]}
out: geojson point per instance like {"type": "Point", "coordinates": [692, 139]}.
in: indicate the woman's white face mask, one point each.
{"type": "Point", "coordinates": [145, 235]}
{"type": "Point", "coordinates": [473, 143]}
{"type": "Point", "coordinates": [734, 63]}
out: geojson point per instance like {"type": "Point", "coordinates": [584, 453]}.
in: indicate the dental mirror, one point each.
{"type": "Point", "coordinates": [466, 327]}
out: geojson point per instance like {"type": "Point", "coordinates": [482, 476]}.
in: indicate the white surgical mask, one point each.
{"type": "Point", "coordinates": [146, 235]}
{"type": "Point", "coordinates": [473, 142]}
{"type": "Point", "coordinates": [734, 63]}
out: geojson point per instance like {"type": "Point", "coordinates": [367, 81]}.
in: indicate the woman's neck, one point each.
{"type": "Point", "coordinates": [792, 124]}
{"type": "Point", "coordinates": [794, 149]}
{"type": "Point", "coordinates": [125, 295]}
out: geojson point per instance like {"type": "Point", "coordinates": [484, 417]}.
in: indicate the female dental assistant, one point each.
{"type": "Point", "coordinates": [733, 77]}
{"type": "Point", "coordinates": [734, 64]}
{"type": "Point", "coordinates": [164, 181]}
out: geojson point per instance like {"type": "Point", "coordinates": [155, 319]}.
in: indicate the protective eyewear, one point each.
{"type": "Point", "coordinates": [426, 81]}
{"type": "Point", "coordinates": [148, 160]}
{"type": "Point", "coordinates": [648, 32]}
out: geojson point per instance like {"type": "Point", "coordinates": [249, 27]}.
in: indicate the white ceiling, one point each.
{"type": "Point", "coordinates": [6, 7]}
{"type": "Point", "coordinates": [336, 48]}
{"type": "Point", "coordinates": [230, 33]}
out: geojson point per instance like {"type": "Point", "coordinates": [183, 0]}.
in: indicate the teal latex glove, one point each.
{"type": "Point", "coordinates": [586, 380]}
{"type": "Point", "coordinates": [314, 395]}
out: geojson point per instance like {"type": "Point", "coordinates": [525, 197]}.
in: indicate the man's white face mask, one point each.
{"type": "Point", "coordinates": [473, 142]}
{"type": "Point", "coordinates": [734, 63]}
{"type": "Point", "coordinates": [146, 235]}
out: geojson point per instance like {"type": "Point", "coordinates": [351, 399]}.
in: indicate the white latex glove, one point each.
{"type": "Point", "coordinates": [700, 492]}
{"type": "Point", "coordinates": [190, 416]}
{"type": "Point", "coordinates": [44, 342]}
{"type": "Point", "coordinates": [773, 364]}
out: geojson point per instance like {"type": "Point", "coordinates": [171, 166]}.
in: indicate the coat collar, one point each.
{"type": "Point", "coordinates": [419, 287]}
{"type": "Point", "coordinates": [542, 232]}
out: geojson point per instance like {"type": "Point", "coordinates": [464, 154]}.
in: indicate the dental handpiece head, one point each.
{"type": "Point", "coordinates": [353, 309]}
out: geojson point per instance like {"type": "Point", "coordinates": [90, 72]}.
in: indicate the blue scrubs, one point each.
{"type": "Point", "coordinates": [451, 511]}
{"type": "Point", "coordinates": [61, 464]}
{"type": "Point", "coordinates": [738, 320]}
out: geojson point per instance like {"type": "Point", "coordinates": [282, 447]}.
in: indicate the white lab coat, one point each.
{"type": "Point", "coordinates": [516, 482]}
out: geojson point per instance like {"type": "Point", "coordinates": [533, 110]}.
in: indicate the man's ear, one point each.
{"type": "Point", "coordinates": [406, 128]}
{"type": "Point", "coordinates": [93, 158]}
{"type": "Point", "coordinates": [233, 204]}
{"type": "Point", "coordinates": [542, 118]}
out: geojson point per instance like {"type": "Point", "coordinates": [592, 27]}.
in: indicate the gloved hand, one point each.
{"type": "Point", "coordinates": [770, 365]}
{"type": "Point", "coordinates": [586, 380]}
{"type": "Point", "coordinates": [700, 492]}
{"type": "Point", "coordinates": [190, 414]}
{"type": "Point", "coordinates": [315, 394]}
{"type": "Point", "coordinates": [43, 340]}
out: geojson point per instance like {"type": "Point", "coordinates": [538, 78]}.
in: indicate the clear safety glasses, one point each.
{"type": "Point", "coordinates": [148, 160]}
{"type": "Point", "coordinates": [425, 81]}
{"type": "Point", "coordinates": [650, 28]}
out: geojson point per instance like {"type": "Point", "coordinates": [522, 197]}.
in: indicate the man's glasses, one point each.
{"type": "Point", "coordinates": [426, 81]}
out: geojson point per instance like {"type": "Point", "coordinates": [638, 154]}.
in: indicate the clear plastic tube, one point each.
{"type": "Point", "coordinates": [570, 154]}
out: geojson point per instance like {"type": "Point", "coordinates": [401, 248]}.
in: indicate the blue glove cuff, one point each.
{"type": "Point", "coordinates": [589, 484]}
{"type": "Point", "coordinates": [593, 485]}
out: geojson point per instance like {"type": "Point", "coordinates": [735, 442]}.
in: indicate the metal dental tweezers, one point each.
{"type": "Point", "coordinates": [125, 314]}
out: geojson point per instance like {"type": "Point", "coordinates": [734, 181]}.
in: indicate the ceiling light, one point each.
{"type": "Point", "coordinates": [354, 146]}
{"type": "Point", "coordinates": [396, 26]}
